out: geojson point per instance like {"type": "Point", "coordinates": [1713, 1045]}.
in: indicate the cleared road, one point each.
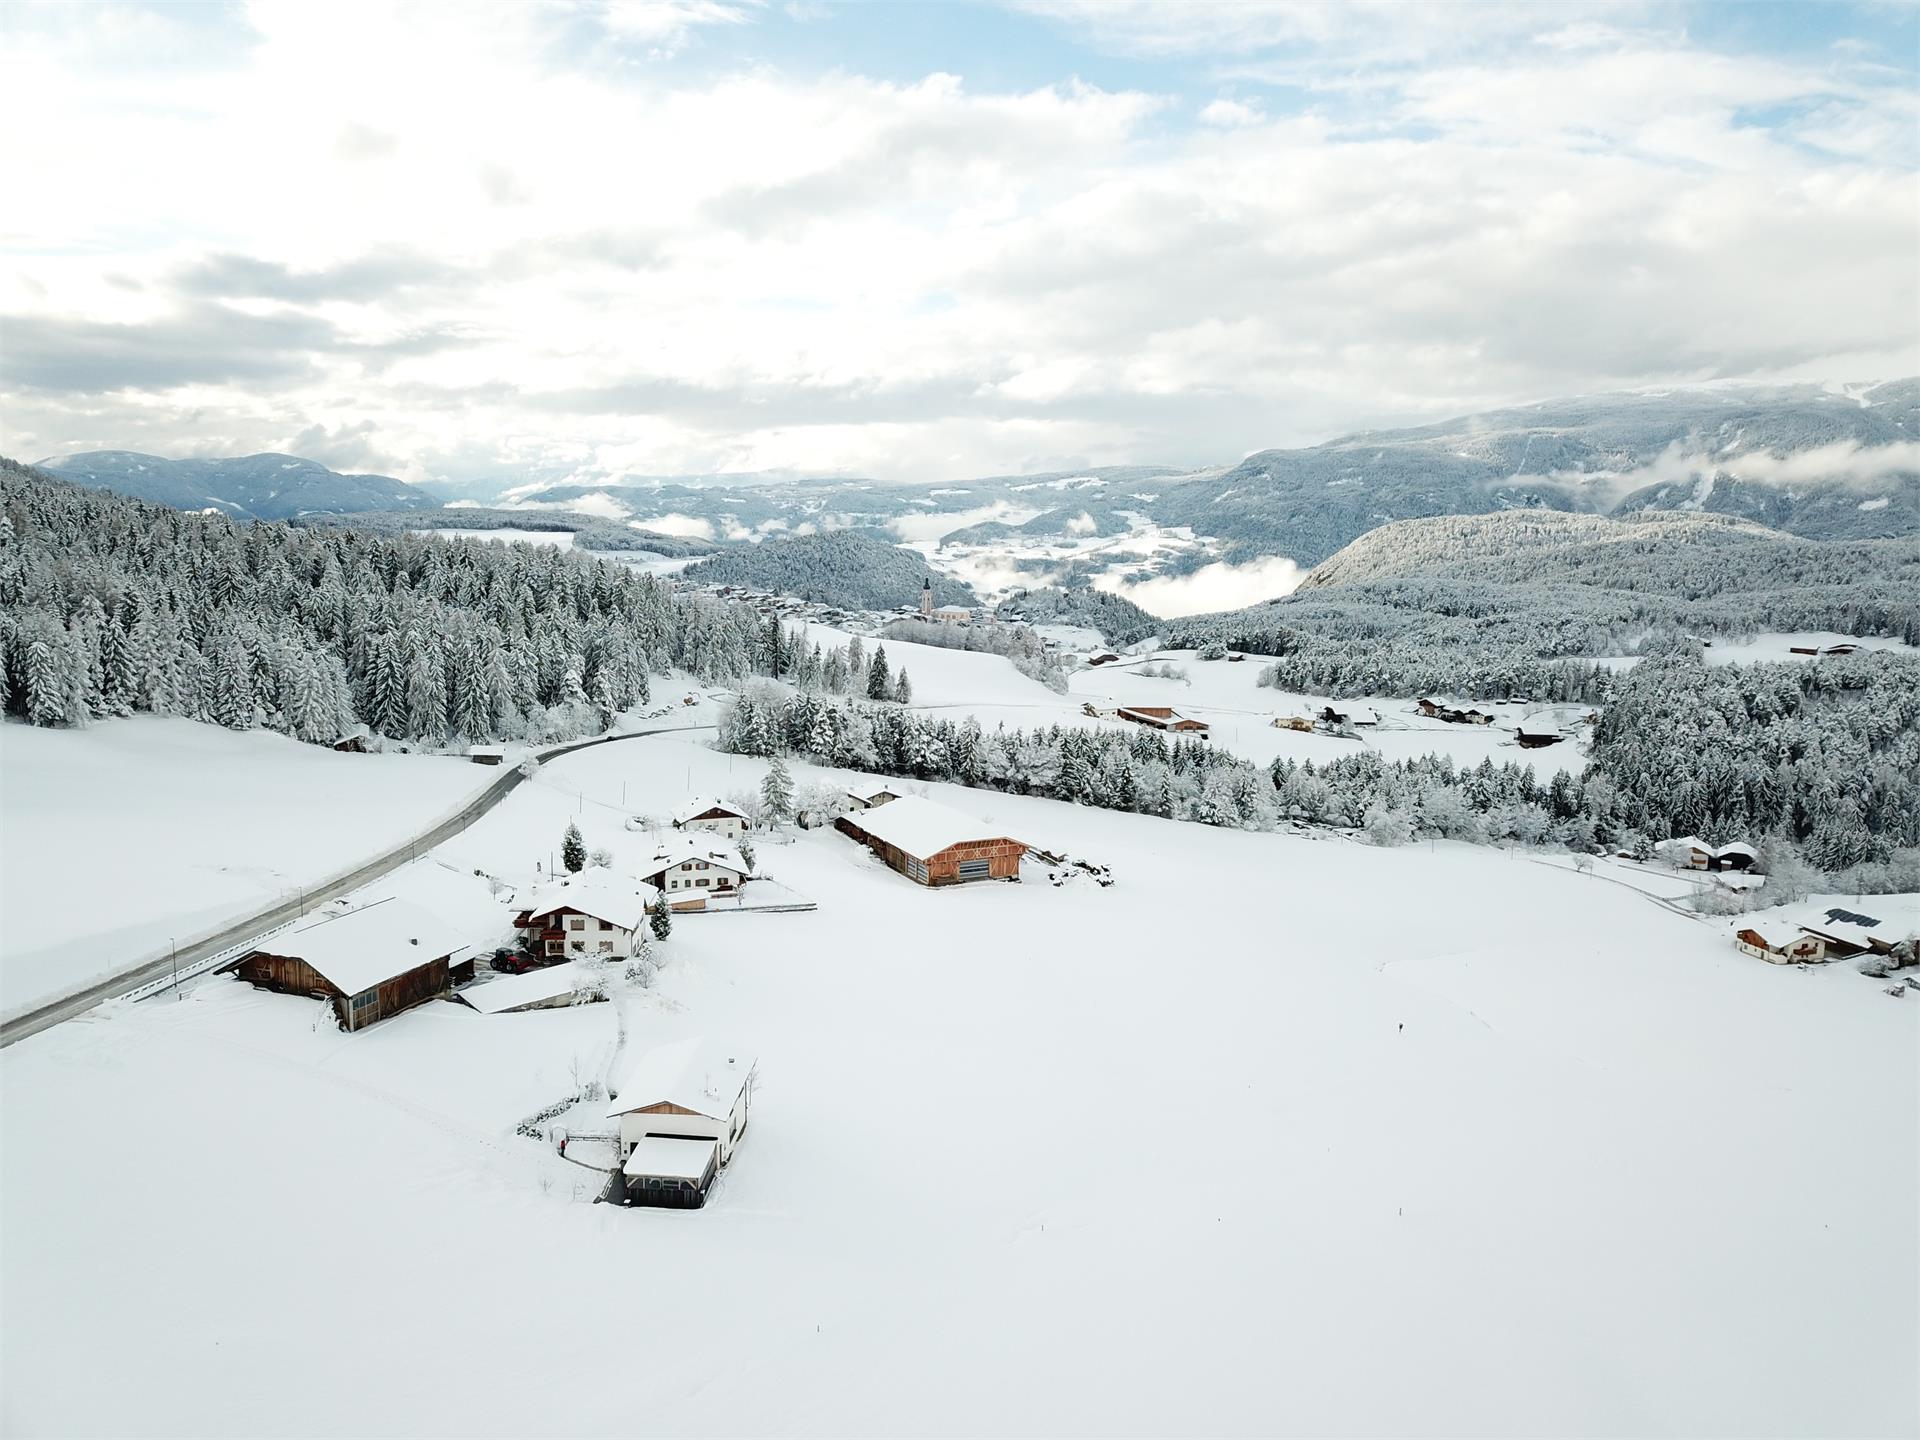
{"type": "Point", "coordinates": [159, 966]}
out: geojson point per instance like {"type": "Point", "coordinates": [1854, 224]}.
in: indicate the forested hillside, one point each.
{"type": "Point", "coordinates": [255, 487]}
{"type": "Point", "coordinates": [1490, 606]}
{"type": "Point", "coordinates": [840, 567]}
{"type": "Point", "coordinates": [588, 531]}
{"type": "Point", "coordinates": [110, 605]}
{"type": "Point", "coordinates": [1117, 618]}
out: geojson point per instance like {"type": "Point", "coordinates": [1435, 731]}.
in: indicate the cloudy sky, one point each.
{"type": "Point", "coordinates": [668, 236]}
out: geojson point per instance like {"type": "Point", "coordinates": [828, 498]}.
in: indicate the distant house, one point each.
{"type": "Point", "coordinates": [1293, 722]}
{"type": "Point", "coordinates": [1538, 732]}
{"type": "Point", "coordinates": [1342, 715]}
{"type": "Point", "coordinates": [369, 963]}
{"type": "Point", "coordinates": [1161, 717]}
{"type": "Point", "coordinates": [953, 615]}
{"type": "Point", "coordinates": [690, 869]}
{"type": "Point", "coordinates": [1803, 649]}
{"type": "Point", "coordinates": [1105, 657]}
{"type": "Point", "coordinates": [704, 813]}
{"type": "Point", "coordinates": [1686, 852]}
{"type": "Point", "coordinates": [1430, 707]}
{"type": "Point", "coordinates": [1781, 950]}
{"type": "Point", "coordinates": [868, 794]}
{"type": "Point", "coordinates": [487, 754]}
{"type": "Point", "coordinates": [682, 1109]}
{"type": "Point", "coordinates": [1846, 648]}
{"type": "Point", "coordinates": [1848, 932]}
{"type": "Point", "coordinates": [934, 845]}
{"type": "Point", "coordinates": [592, 913]}
{"type": "Point", "coordinates": [1690, 852]}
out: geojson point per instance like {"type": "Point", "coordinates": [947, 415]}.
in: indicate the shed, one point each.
{"type": "Point", "coordinates": [934, 845]}
{"type": "Point", "coordinates": [369, 963]}
{"type": "Point", "coordinates": [1161, 717]}
{"type": "Point", "coordinates": [669, 1174]}
{"type": "Point", "coordinates": [693, 1091]}
{"type": "Point", "coordinates": [551, 988]}
{"type": "Point", "coordinates": [1349, 714]}
{"type": "Point", "coordinates": [1105, 657]}
{"type": "Point", "coordinates": [356, 741]}
{"type": "Point", "coordinates": [487, 754]}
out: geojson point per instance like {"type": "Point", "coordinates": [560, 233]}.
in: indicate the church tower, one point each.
{"type": "Point", "coordinates": [926, 598]}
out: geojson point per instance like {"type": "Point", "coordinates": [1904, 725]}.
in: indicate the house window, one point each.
{"type": "Point", "coordinates": [576, 922]}
{"type": "Point", "coordinates": [365, 999]}
{"type": "Point", "coordinates": [606, 947]}
{"type": "Point", "coordinates": [579, 947]}
{"type": "Point", "coordinates": [603, 925]}
{"type": "Point", "coordinates": [701, 883]}
{"type": "Point", "coordinates": [556, 947]}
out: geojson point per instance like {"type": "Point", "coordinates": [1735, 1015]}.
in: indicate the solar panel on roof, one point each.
{"type": "Point", "coordinates": [1852, 917]}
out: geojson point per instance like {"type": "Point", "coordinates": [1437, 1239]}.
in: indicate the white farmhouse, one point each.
{"type": "Point", "coordinates": [587, 914]}
{"type": "Point", "coordinates": [689, 868]}
{"type": "Point", "coordinates": [681, 1108]}
{"type": "Point", "coordinates": [715, 816]}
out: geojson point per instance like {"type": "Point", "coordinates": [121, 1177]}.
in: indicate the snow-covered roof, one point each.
{"type": "Point", "coordinates": [1684, 842]}
{"type": "Point", "coordinates": [923, 827]}
{"type": "Point", "coordinates": [487, 750]}
{"type": "Point", "coordinates": [667, 1158]}
{"type": "Point", "coordinates": [617, 901]}
{"type": "Point", "coordinates": [1358, 714]}
{"type": "Point", "coordinates": [695, 1074]}
{"type": "Point", "coordinates": [700, 805]}
{"type": "Point", "coordinates": [694, 845]}
{"type": "Point", "coordinates": [867, 789]}
{"type": "Point", "coordinates": [510, 992]}
{"type": "Point", "coordinates": [1735, 847]}
{"type": "Point", "coordinates": [363, 947]}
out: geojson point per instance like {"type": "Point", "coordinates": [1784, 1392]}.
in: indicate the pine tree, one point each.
{"type": "Point", "coordinates": [46, 688]}
{"type": "Point", "coordinates": [660, 918]}
{"type": "Point", "coordinates": [776, 791]}
{"type": "Point", "coordinates": [232, 703]}
{"type": "Point", "coordinates": [903, 688]}
{"type": "Point", "coordinates": [879, 684]}
{"type": "Point", "coordinates": [573, 850]}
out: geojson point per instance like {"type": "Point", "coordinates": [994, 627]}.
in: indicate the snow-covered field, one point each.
{"type": "Point", "coordinates": [558, 539]}
{"type": "Point", "coordinates": [1228, 696]}
{"type": "Point", "coordinates": [1780, 646]}
{"type": "Point", "coordinates": [120, 837]}
{"type": "Point", "coordinates": [1276, 1135]}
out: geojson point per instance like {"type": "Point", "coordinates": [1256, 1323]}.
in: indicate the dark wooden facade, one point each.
{"type": "Point", "coordinates": [943, 867]}
{"type": "Point", "coordinates": [293, 976]}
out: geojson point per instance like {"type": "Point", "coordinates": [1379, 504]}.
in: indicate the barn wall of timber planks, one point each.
{"type": "Point", "coordinates": [1001, 857]}
{"type": "Point", "coordinates": [293, 976]}
{"type": "Point", "coordinates": [283, 973]}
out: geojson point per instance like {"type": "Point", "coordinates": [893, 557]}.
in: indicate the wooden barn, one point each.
{"type": "Point", "coordinates": [1161, 717]}
{"type": "Point", "coordinates": [931, 844]}
{"type": "Point", "coordinates": [370, 963]}
{"type": "Point", "coordinates": [682, 1109]}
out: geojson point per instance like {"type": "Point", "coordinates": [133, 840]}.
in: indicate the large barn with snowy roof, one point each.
{"type": "Point", "coordinates": [933, 844]}
{"type": "Point", "coordinates": [370, 963]}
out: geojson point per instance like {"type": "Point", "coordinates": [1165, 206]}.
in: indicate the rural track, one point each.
{"type": "Point", "coordinates": [158, 966]}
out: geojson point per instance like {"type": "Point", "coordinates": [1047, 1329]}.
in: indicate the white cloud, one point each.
{"type": "Point", "coordinates": [1219, 586]}
{"type": "Point", "coordinates": [556, 262]}
{"type": "Point", "coordinates": [1229, 113]}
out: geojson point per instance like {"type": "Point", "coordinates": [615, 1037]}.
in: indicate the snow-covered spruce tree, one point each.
{"type": "Point", "coordinates": [903, 688]}
{"type": "Point", "coordinates": [573, 850]}
{"type": "Point", "coordinates": [660, 918]}
{"type": "Point", "coordinates": [879, 682]}
{"type": "Point", "coordinates": [776, 791]}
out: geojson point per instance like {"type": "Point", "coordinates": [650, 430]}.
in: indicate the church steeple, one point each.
{"type": "Point", "coordinates": [926, 598]}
